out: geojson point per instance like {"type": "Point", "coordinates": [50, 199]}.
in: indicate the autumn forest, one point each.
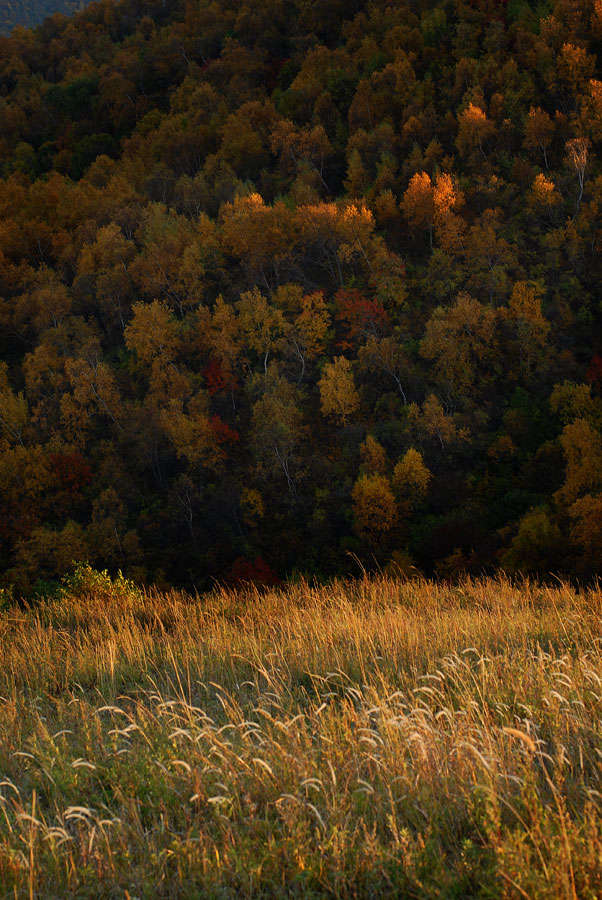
{"type": "Point", "coordinates": [295, 288]}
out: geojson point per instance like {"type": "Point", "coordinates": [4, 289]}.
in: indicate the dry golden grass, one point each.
{"type": "Point", "coordinates": [366, 739]}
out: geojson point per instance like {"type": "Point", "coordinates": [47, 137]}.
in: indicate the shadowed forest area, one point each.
{"type": "Point", "coordinates": [284, 284]}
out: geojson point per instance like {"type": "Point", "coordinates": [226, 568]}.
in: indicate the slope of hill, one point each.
{"type": "Point", "coordinates": [282, 283]}
{"type": "Point", "coordinates": [29, 13]}
{"type": "Point", "coordinates": [362, 741]}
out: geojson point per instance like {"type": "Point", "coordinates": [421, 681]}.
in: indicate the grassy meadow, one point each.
{"type": "Point", "coordinates": [375, 738]}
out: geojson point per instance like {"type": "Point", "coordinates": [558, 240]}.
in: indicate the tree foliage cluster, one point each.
{"type": "Point", "coordinates": [287, 281]}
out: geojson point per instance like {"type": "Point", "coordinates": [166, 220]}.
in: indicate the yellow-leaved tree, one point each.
{"type": "Point", "coordinates": [102, 269]}
{"type": "Point", "coordinates": [527, 322]}
{"type": "Point", "coordinates": [261, 322]}
{"type": "Point", "coordinates": [93, 395]}
{"type": "Point", "coordinates": [458, 339]}
{"type": "Point", "coordinates": [196, 435]}
{"type": "Point", "coordinates": [374, 509]}
{"type": "Point", "coordinates": [411, 479]}
{"type": "Point", "coordinates": [338, 393]}
{"type": "Point", "coordinates": [539, 131]}
{"type": "Point", "coordinates": [277, 431]}
{"type": "Point", "coordinates": [433, 422]}
{"type": "Point", "coordinates": [581, 494]}
{"type": "Point", "coordinates": [307, 326]}
{"type": "Point", "coordinates": [582, 447]}
{"type": "Point", "coordinates": [373, 456]}
{"type": "Point", "coordinates": [154, 334]}
{"type": "Point", "coordinates": [586, 529]}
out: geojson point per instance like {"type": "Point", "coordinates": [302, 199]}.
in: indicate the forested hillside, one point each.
{"type": "Point", "coordinates": [31, 12]}
{"type": "Point", "coordinates": [288, 283]}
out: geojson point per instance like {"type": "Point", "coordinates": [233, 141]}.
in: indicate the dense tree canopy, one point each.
{"type": "Point", "coordinates": [287, 284]}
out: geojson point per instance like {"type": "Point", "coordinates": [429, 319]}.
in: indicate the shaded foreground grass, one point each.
{"type": "Point", "coordinates": [368, 739]}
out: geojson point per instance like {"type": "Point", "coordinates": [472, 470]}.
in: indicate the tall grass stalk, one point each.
{"type": "Point", "coordinates": [375, 738]}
